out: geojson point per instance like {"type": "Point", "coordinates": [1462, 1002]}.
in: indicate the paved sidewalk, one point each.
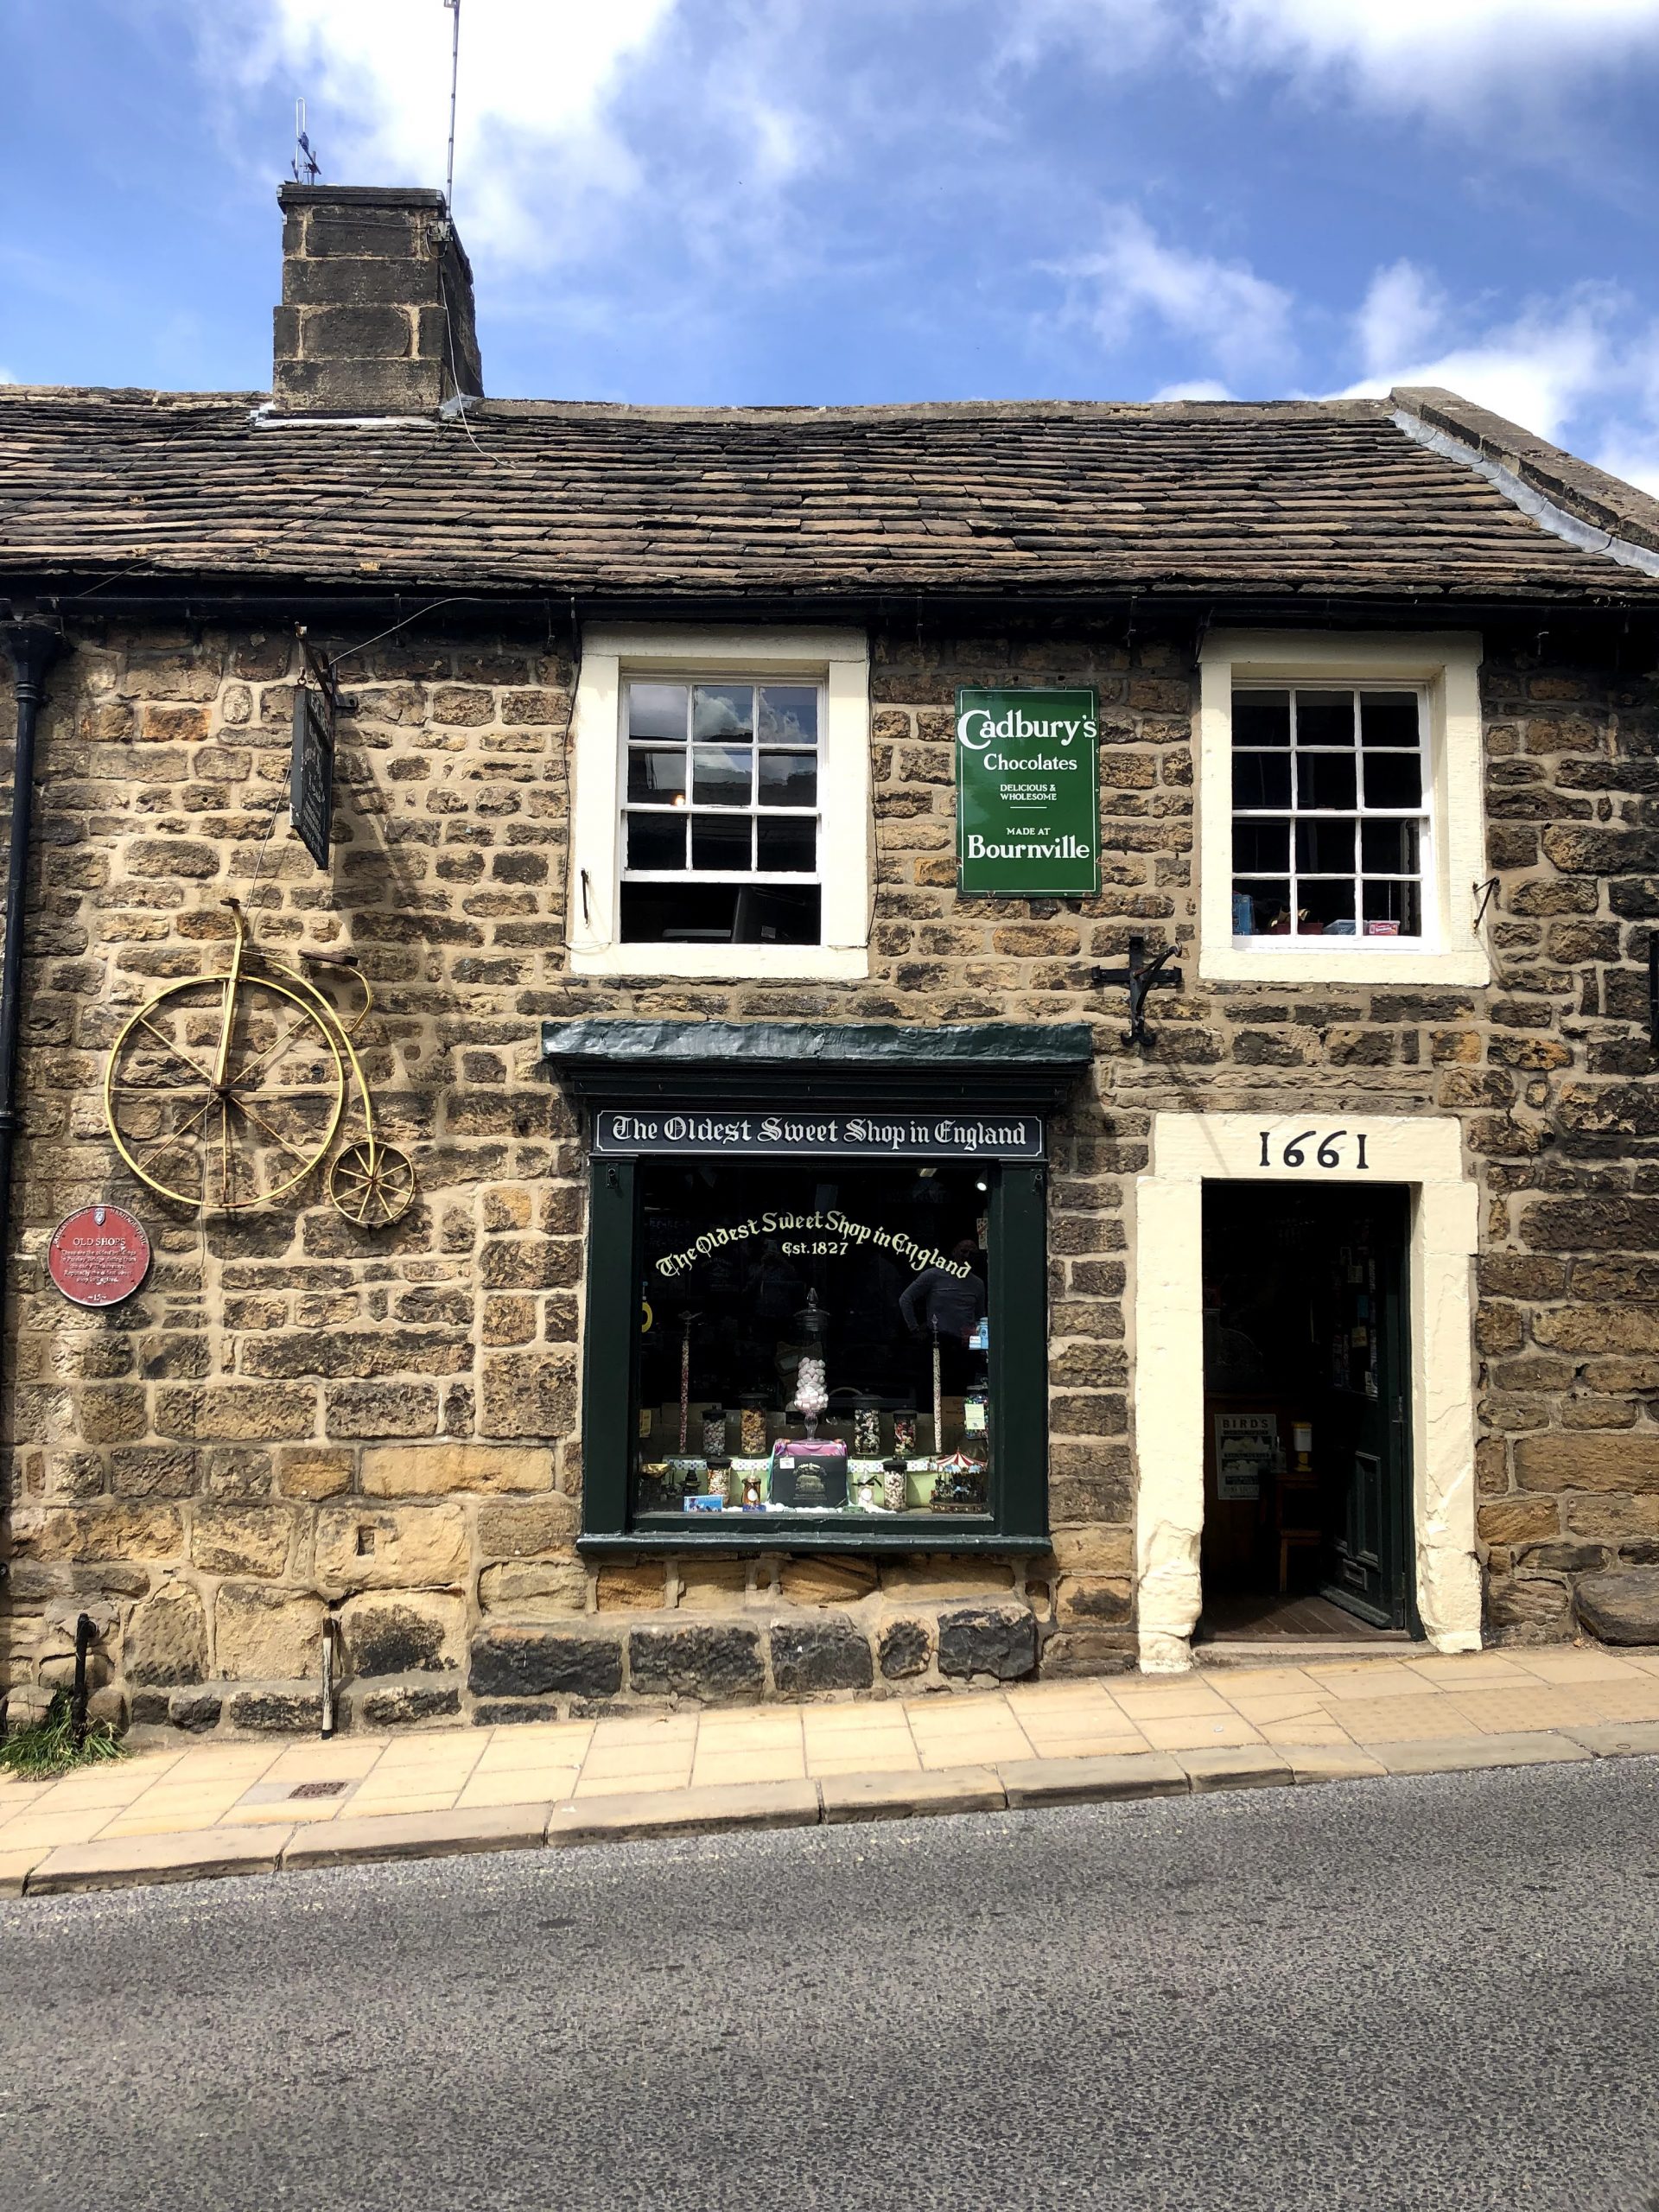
{"type": "Point", "coordinates": [226, 1808]}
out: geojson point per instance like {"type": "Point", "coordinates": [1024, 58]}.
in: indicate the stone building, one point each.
{"type": "Point", "coordinates": [816, 1280]}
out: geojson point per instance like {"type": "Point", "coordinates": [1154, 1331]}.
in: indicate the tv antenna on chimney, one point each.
{"type": "Point", "coordinates": [453, 6]}
{"type": "Point", "coordinates": [305, 170]}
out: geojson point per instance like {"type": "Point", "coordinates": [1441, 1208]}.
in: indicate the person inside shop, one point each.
{"type": "Point", "coordinates": [951, 1305]}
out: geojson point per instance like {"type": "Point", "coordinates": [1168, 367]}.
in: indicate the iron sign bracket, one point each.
{"type": "Point", "coordinates": [1140, 976]}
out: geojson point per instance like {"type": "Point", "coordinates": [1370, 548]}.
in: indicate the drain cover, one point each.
{"type": "Point", "coordinates": [317, 1790]}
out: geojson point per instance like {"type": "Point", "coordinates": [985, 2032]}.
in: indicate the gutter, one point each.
{"type": "Point", "coordinates": [32, 646]}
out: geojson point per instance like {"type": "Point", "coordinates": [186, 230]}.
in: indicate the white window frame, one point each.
{"type": "Point", "coordinates": [1446, 666]}
{"type": "Point", "coordinates": [839, 661]}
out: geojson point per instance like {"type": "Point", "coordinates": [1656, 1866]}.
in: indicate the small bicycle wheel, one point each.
{"type": "Point", "coordinates": [223, 1098]}
{"type": "Point", "coordinates": [372, 1185]}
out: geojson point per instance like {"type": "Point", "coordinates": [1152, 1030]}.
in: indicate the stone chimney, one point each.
{"type": "Point", "coordinates": [377, 312]}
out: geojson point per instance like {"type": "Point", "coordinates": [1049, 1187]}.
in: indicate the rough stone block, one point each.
{"type": "Point", "coordinates": [1620, 1607]}
{"type": "Point", "coordinates": [906, 1646]}
{"type": "Point", "coordinates": [390, 1546]}
{"type": "Point", "coordinates": [241, 1539]}
{"type": "Point", "coordinates": [410, 1632]}
{"type": "Point", "coordinates": [166, 1638]}
{"type": "Point", "coordinates": [263, 1635]}
{"type": "Point", "coordinates": [439, 1469]}
{"type": "Point", "coordinates": [710, 1663]}
{"type": "Point", "coordinates": [315, 1472]}
{"type": "Point", "coordinates": [999, 1640]}
{"type": "Point", "coordinates": [276, 1713]}
{"type": "Point", "coordinates": [826, 1581]}
{"type": "Point", "coordinates": [407, 1704]}
{"type": "Point", "coordinates": [197, 1712]}
{"type": "Point", "coordinates": [1588, 1462]}
{"type": "Point", "coordinates": [820, 1655]}
{"type": "Point", "coordinates": [632, 1586]}
{"type": "Point", "coordinates": [527, 1531]}
{"type": "Point", "coordinates": [511, 1661]}
{"type": "Point", "coordinates": [535, 1590]}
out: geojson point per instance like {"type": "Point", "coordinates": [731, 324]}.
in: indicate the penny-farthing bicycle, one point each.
{"type": "Point", "coordinates": [225, 1092]}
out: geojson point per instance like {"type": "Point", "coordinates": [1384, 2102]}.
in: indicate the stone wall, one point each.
{"type": "Point", "coordinates": [295, 1420]}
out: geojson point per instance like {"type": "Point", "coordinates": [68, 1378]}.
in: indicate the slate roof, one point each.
{"type": "Point", "coordinates": [1178, 499]}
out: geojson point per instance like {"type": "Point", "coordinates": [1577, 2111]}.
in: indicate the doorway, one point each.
{"type": "Point", "coordinates": [1306, 1420]}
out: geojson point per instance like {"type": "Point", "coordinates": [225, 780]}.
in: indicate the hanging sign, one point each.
{"type": "Point", "coordinates": [869, 1136]}
{"type": "Point", "coordinates": [311, 772]}
{"type": "Point", "coordinates": [1028, 792]}
{"type": "Point", "coordinates": [99, 1256]}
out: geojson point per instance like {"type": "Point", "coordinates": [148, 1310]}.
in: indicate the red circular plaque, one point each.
{"type": "Point", "coordinates": [98, 1256]}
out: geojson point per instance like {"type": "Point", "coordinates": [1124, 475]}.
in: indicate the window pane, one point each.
{"type": "Point", "coordinates": [1389, 847]}
{"type": "Point", "coordinates": [657, 710]}
{"type": "Point", "coordinates": [1261, 846]}
{"type": "Point", "coordinates": [720, 775]}
{"type": "Point", "coordinates": [1324, 848]}
{"type": "Point", "coordinates": [721, 843]}
{"type": "Point", "coordinates": [720, 710]}
{"type": "Point", "coordinates": [1261, 718]}
{"type": "Point", "coordinates": [694, 912]}
{"type": "Point", "coordinates": [1324, 779]}
{"type": "Point", "coordinates": [755, 1331]}
{"type": "Point", "coordinates": [787, 844]}
{"type": "Point", "coordinates": [789, 713]}
{"type": "Point", "coordinates": [655, 841]}
{"type": "Point", "coordinates": [1393, 910]}
{"type": "Point", "coordinates": [1261, 909]}
{"type": "Point", "coordinates": [1324, 718]}
{"type": "Point", "coordinates": [655, 773]}
{"type": "Point", "coordinates": [789, 779]}
{"type": "Point", "coordinates": [1260, 779]}
{"type": "Point", "coordinates": [1388, 718]}
{"type": "Point", "coordinates": [1325, 908]}
{"type": "Point", "coordinates": [1394, 779]}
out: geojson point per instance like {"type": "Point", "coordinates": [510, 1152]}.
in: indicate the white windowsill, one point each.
{"type": "Point", "coordinates": [734, 963]}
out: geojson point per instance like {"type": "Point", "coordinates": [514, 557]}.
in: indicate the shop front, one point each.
{"type": "Point", "coordinates": [816, 1313]}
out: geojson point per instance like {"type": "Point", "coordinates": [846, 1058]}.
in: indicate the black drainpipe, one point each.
{"type": "Point", "coordinates": [33, 646]}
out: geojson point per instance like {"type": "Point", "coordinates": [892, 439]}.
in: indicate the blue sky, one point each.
{"type": "Point", "coordinates": [821, 200]}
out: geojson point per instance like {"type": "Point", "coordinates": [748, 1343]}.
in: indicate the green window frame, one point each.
{"type": "Point", "coordinates": [1017, 1521]}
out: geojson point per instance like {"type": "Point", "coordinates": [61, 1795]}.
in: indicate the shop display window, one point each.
{"type": "Point", "coordinates": [814, 1342]}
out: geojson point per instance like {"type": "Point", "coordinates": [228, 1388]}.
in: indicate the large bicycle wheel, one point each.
{"type": "Point", "coordinates": [225, 1098]}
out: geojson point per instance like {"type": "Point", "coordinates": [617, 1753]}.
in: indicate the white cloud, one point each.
{"type": "Point", "coordinates": [1200, 388]}
{"type": "Point", "coordinates": [1441, 54]}
{"type": "Point", "coordinates": [1235, 317]}
{"type": "Point", "coordinates": [536, 135]}
{"type": "Point", "coordinates": [1581, 370]}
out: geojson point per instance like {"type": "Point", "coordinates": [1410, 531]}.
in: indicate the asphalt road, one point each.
{"type": "Point", "coordinates": [1413, 1993]}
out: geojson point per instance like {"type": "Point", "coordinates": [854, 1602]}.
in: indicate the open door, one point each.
{"type": "Point", "coordinates": [1307, 1472]}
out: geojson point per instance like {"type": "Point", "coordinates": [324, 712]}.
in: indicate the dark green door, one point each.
{"type": "Point", "coordinates": [1370, 1377]}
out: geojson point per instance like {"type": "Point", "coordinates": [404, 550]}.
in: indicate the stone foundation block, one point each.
{"type": "Point", "coordinates": [1622, 1607]}
{"type": "Point", "coordinates": [276, 1713]}
{"type": "Point", "coordinates": [407, 1704]}
{"type": "Point", "coordinates": [540, 1663]}
{"type": "Point", "coordinates": [819, 1655]}
{"type": "Point", "coordinates": [905, 1650]}
{"type": "Point", "coordinates": [711, 1663]}
{"type": "Point", "coordinates": [998, 1640]}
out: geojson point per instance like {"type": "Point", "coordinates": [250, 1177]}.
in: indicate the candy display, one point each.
{"type": "Point", "coordinates": [813, 1309]}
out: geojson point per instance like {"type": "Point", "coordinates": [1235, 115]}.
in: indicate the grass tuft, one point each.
{"type": "Point", "coordinates": [49, 1747]}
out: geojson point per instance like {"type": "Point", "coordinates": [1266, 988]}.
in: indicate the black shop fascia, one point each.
{"type": "Point", "coordinates": [817, 1311]}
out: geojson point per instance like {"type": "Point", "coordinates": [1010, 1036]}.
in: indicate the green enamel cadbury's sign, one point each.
{"type": "Point", "coordinates": [1028, 791]}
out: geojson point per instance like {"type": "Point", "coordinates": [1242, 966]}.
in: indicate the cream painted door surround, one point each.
{"type": "Point", "coordinates": [1425, 1154]}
